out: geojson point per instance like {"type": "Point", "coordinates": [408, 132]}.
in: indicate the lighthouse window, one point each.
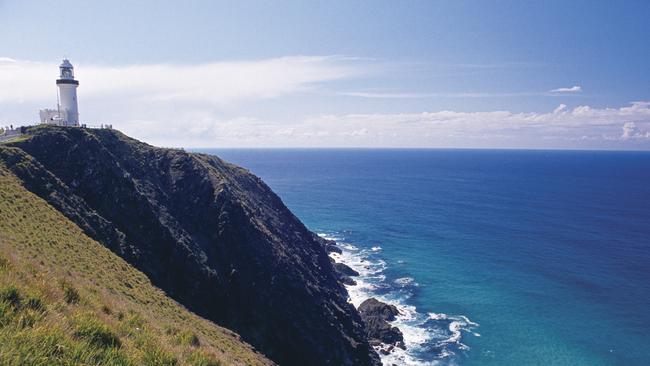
{"type": "Point", "coordinates": [66, 73]}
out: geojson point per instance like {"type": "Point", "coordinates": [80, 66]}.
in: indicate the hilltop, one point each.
{"type": "Point", "coordinates": [211, 235]}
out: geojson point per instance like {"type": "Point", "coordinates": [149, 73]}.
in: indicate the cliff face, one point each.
{"type": "Point", "coordinates": [67, 300]}
{"type": "Point", "coordinates": [210, 234]}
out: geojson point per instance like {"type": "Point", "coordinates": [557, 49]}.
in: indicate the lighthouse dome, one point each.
{"type": "Point", "coordinates": [66, 72]}
{"type": "Point", "coordinates": [66, 63]}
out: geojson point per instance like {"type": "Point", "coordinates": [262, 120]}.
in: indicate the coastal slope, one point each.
{"type": "Point", "coordinates": [211, 235]}
{"type": "Point", "coordinates": [67, 300]}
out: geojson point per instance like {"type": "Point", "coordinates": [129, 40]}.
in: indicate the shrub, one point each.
{"type": "Point", "coordinates": [96, 333]}
{"type": "Point", "coordinates": [11, 295]}
{"type": "Point", "coordinates": [34, 303]}
{"type": "Point", "coordinates": [6, 313]}
{"type": "Point", "coordinates": [70, 294]}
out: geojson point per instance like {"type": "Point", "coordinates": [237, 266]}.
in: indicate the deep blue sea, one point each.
{"type": "Point", "coordinates": [495, 257]}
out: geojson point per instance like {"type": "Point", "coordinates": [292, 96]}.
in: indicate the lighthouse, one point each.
{"type": "Point", "coordinates": [68, 108]}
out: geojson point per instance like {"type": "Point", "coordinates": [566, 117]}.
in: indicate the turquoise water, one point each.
{"type": "Point", "coordinates": [530, 257]}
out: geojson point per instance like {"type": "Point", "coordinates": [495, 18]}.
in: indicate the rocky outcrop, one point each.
{"type": "Point", "coordinates": [376, 315]}
{"type": "Point", "coordinates": [345, 274]}
{"type": "Point", "coordinates": [375, 308]}
{"type": "Point", "coordinates": [329, 245]}
{"type": "Point", "coordinates": [331, 248]}
{"type": "Point", "coordinates": [345, 270]}
{"type": "Point", "coordinates": [210, 234]}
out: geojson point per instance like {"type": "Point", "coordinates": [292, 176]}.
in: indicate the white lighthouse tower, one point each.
{"type": "Point", "coordinates": [68, 108]}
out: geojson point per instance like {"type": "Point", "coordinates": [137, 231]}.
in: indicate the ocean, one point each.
{"type": "Point", "coordinates": [494, 257]}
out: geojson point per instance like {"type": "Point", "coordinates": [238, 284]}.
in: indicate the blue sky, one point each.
{"type": "Point", "coordinates": [546, 74]}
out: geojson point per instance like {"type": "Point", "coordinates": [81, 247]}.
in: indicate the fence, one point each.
{"type": "Point", "coordinates": [8, 132]}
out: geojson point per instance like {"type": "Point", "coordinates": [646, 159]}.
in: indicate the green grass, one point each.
{"type": "Point", "coordinates": [95, 332]}
{"type": "Point", "coordinates": [67, 300]}
{"type": "Point", "coordinates": [187, 338]}
{"type": "Point", "coordinates": [200, 358]}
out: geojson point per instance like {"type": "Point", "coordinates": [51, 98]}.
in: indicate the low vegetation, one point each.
{"type": "Point", "coordinates": [67, 300]}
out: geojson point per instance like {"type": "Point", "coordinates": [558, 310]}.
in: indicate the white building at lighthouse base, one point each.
{"type": "Point", "coordinates": [54, 117]}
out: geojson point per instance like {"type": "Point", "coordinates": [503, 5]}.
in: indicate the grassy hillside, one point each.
{"type": "Point", "coordinates": [210, 234]}
{"type": "Point", "coordinates": [67, 300]}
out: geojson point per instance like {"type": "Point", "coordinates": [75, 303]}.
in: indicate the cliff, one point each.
{"type": "Point", "coordinates": [67, 300]}
{"type": "Point", "coordinates": [211, 235]}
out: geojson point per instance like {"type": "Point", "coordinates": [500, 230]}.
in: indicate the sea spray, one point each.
{"type": "Point", "coordinates": [430, 339]}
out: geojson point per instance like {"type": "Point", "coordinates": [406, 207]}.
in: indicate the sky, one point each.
{"type": "Point", "coordinates": [439, 74]}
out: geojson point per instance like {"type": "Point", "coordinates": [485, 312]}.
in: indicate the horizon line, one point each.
{"type": "Point", "coordinates": [409, 148]}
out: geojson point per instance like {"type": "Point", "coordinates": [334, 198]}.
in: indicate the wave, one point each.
{"type": "Point", "coordinates": [405, 281]}
{"type": "Point", "coordinates": [430, 339]}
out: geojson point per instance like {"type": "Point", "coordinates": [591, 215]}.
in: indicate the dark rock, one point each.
{"type": "Point", "coordinates": [210, 234]}
{"type": "Point", "coordinates": [345, 270]}
{"type": "Point", "coordinates": [374, 307]}
{"type": "Point", "coordinates": [329, 245]}
{"type": "Point", "coordinates": [376, 316]}
{"type": "Point", "coordinates": [380, 329]}
{"type": "Point", "coordinates": [331, 248]}
{"type": "Point", "coordinates": [346, 280]}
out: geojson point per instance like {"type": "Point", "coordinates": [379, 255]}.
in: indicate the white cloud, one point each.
{"type": "Point", "coordinates": [561, 108]}
{"type": "Point", "coordinates": [573, 89]}
{"type": "Point", "coordinates": [214, 83]}
{"type": "Point", "coordinates": [632, 131]}
{"type": "Point", "coordinates": [582, 126]}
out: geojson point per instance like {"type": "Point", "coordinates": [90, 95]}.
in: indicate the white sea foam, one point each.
{"type": "Point", "coordinates": [436, 316]}
{"type": "Point", "coordinates": [406, 281]}
{"type": "Point", "coordinates": [437, 331]}
{"type": "Point", "coordinates": [457, 324]}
